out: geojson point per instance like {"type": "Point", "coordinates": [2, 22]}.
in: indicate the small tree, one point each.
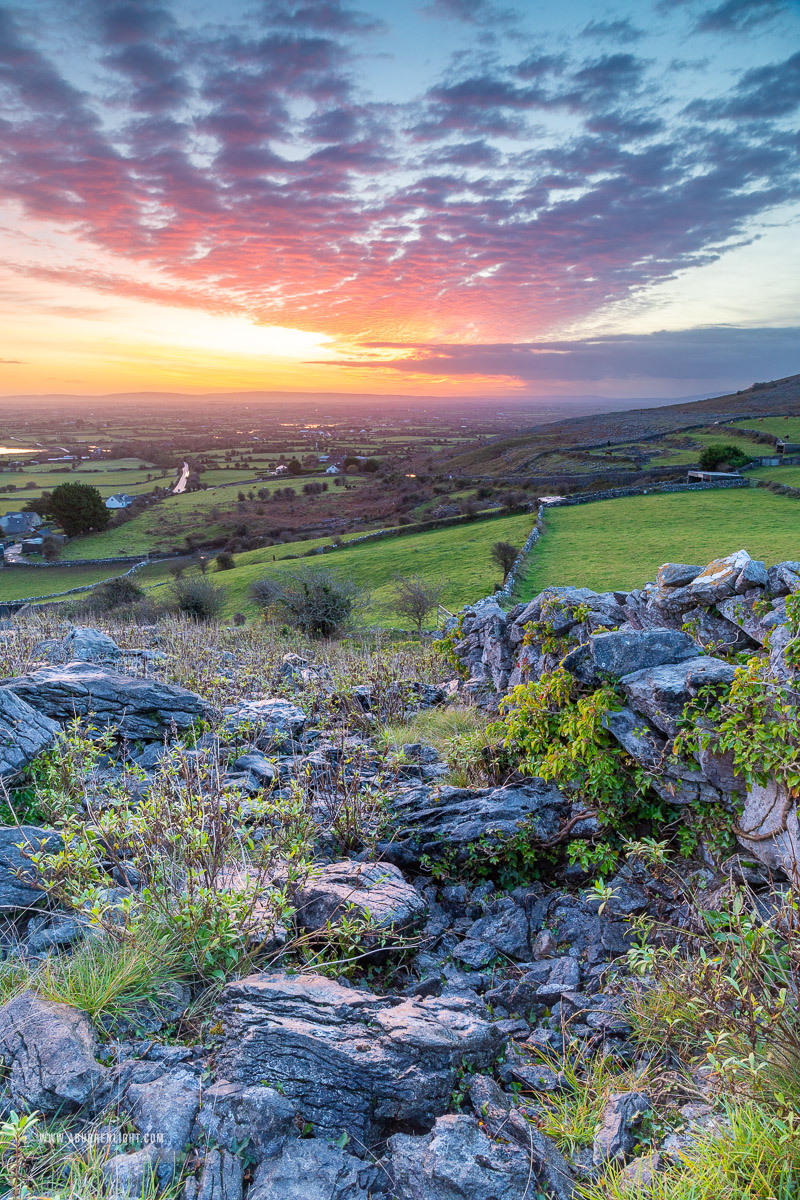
{"type": "Point", "coordinates": [414, 599]}
{"type": "Point", "coordinates": [504, 555]}
{"type": "Point", "coordinates": [78, 508]}
{"type": "Point", "coordinates": [720, 455]}
{"type": "Point", "coordinates": [314, 601]}
{"type": "Point", "coordinates": [224, 561]}
{"type": "Point", "coordinates": [294, 467]}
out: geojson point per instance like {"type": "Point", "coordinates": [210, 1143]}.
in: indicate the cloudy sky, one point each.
{"type": "Point", "coordinates": [423, 196]}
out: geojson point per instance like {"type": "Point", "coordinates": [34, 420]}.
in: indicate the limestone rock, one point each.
{"type": "Point", "coordinates": [661, 693]}
{"type": "Point", "coordinates": [375, 888]}
{"type": "Point", "coordinates": [770, 817]}
{"type": "Point", "coordinates": [625, 651]}
{"type": "Point", "coordinates": [457, 1161]}
{"type": "Point", "coordinates": [347, 1059]}
{"type": "Point", "coordinates": [450, 818]}
{"type": "Point", "coordinates": [312, 1170]}
{"type": "Point", "coordinates": [17, 842]}
{"type": "Point", "coordinates": [24, 733]}
{"type": "Point", "coordinates": [267, 724]}
{"type": "Point", "coordinates": [233, 1114]}
{"type": "Point", "coordinates": [133, 707]}
{"type": "Point", "coordinates": [616, 1135]}
{"type": "Point", "coordinates": [50, 1050]}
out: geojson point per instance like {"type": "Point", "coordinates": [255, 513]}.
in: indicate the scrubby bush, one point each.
{"type": "Point", "coordinates": [115, 593]}
{"type": "Point", "coordinates": [225, 561]}
{"type": "Point", "coordinates": [315, 601]}
{"type": "Point", "coordinates": [197, 597]}
{"type": "Point", "coordinates": [721, 456]}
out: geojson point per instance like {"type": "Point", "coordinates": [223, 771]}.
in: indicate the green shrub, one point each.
{"type": "Point", "coordinates": [721, 456]}
{"type": "Point", "coordinates": [197, 597]}
{"type": "Point", "coordinates": [313, 600]}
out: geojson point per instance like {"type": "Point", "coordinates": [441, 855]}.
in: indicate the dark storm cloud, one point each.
{"type": "Point", "coordinates": [722, 351]}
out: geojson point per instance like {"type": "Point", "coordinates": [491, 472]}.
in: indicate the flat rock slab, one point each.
{"type": "Point", "coordinates": [770, 817]}
{"type": "Point", "coordinates": [353, 888]}
{"type": "Point", "coordinates": [24, 733]}
{"type": "Point", "coordinates": [133, 707]}
{"type": "Point", "coordinates": [448, 818]}
{"type": "Point", "coordinates": [623, 651]}
{"type": "Point", "coordinates": [350, 1060]}
{"type": "Point", "coordinates": [313, 1170]}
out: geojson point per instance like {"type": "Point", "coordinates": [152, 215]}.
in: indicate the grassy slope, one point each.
{"type": "Point", "coordinates": [787, 475]}
{"type": "Point", "coordinates": [621, 543]}
{"type": "Point", "coordinates": [456, 557]}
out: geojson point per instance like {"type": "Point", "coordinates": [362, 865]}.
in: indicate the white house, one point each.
{"type": "Point", "coordinates": [332, 469]}
{"type": "Point", "coordinates": [120, 500]}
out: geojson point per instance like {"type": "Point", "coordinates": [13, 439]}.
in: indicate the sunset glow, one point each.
{"type": "Point", "coordinates": [451, 197]}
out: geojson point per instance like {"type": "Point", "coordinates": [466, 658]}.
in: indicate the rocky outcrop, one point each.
{"type": "Point", "coordinates": [270, 724]}
{"type": "Point", "coordinates": [133, 707]}
{"type": "Point", "coordinates": [663, 645]}
{"type": "Point", "coordinates": [350, 1061]}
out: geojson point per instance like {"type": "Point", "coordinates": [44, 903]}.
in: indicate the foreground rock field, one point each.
{"type": "Point", "coordinates": [507, 917]}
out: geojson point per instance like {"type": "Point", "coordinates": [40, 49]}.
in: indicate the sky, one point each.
{"type": "Point", "coordinates": [429, 197]}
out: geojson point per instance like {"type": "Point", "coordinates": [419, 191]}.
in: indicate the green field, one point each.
{"type": "Point", "coordinates": [782, 427]}
{"type": "Point", "coordinates": [788, 475]}
{"type": "Point", "coordinates": [456, 557]}
{"type": "Point", "coordinates": [17, 583]}
{"type": "Point", "coordinates": [620, 544]}
{"type": "Point", "coordinates": [115, 475]}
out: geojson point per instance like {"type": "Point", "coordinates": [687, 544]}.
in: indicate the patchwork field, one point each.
{"type": "Point", "coordinates": [621, 543]}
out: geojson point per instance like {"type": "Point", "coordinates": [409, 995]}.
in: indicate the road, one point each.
{"type": "Point", "coordinates": [180, 486]}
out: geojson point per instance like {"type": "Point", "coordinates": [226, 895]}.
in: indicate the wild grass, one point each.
{"type": "Point", "coordinates": [456, 731]}
{"type": "Point", "coordinates": [755, 1155]}
{"type": "Point", "coordinates": [571, 1117]}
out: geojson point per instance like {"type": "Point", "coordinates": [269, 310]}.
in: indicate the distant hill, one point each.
{"type": "Point", "coordinates": [777, 397]}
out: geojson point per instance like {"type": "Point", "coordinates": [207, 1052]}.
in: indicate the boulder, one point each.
{"type": "Point", "coordinates": [267, 724]}
{"type": "Point", "coordinates": [448, 818]}
{"type": "Point", "coordinates": [233, 1115]}
{"type": "Point", "coordinates": [769, 828]}
{"type": "Point", "coordinates": [133, 707]}
{"type": "Point", "coordinates": [349, 1060]}
{"type": "Point", "coordinates": [616, 1134]}
{"type": "Point", "coordinates": [140, 1173]}
{"type": "Point", "coordinates": [636, 735]}
{"type": "Point", "coordinates": [83, 644]}
{"type": "Point", "coordinates": [17, 842]}
{"type": "Point", "coordinates": [504, 928]}
{"type": "Point", "coordinates": [356, 888]}
{"type": "Point", "coordinates": [457, 1161]}
{"type": "Point", "coordinates": [312, 1169]}
{"type": "Point", "coordinates": [24, 733]}
{"type": "Point", "coordinates": [49, 1051]}
{"type": "Point", "coordinates": [661, 693]}
{"type": "Point", "coordinates": [624, 651]}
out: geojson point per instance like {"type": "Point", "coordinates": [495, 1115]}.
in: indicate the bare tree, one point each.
{"type": "Point", "coordinates": [504, 555]}
{"type": "Point", "coordinates": [414, 598]}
